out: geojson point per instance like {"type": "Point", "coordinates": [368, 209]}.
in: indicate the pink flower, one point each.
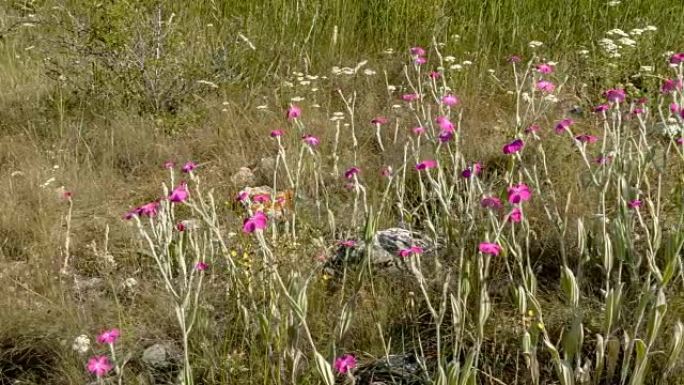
{"type": "Point", "coordinates": [258, 221]}
{"type": "Point", "coordinates": [514, 59]}
{"type": "Point", "coordinates": [637, 111]}
{"type": "Point", "coordinates": [670, 85]}
{"type": "Point", "coordinates": [445, 136]}
{"type": "Point", "coordinates": [532, 128]}
{"type": "Point", "coordinates": [109, 336]}
{"type": "Point", "coordinates": [420, 60]}
{"type": "Point", "coordinates": [169, 164]}
{"type": "Point", "coordinates": [435, 75]}
{"type": "Point", "coordinates": [99, 365]}
{"type": "Point", "coordinates": [188, 167]}
{"type": "Point", "coordinates": [615, 95]}
{"type": "Point", "coordinates": [450, 100]}
{"type": "Point", "coordinates": [242, 196]}
{"type": "Point", "coordinates": [444, 123]}
{"type": "Point", "coordinates": [148, 209]}
{"type": "Point", "coordinates": [674, 108]}
{"type": "Point", "coordinates": [349, 174]}
{"type": "Point", "coordinates": [201, 266]}
{"type": "Point", "coordinates": [180, 226]}
{"type": "Point", "coordinates": [386, 171]}
{"type": "Point", "coordinates": [513, 147]}
{"type": "Point", "coordinates": [634, 204]}
{"type": "Point", "coordinates": [311, 140]}
{"type": "Point", "coordinates": [585, 138]}
{"type": "Point", "coordinates": [641, 101]}
{"type": "Point", "coordinates": [293, 112]}
{"type": "Point", "coordinates": [603, 160]}
{"type": "Point", "coordinates": [417, 51]}
{"type": "Point", "coordinates": [180, 193]}
{"type": "Point", "coordinates": [519, 193]}
{"type": "Point", "coordinates": [493, 203]}
{"type": "Point", "coordinates": [680, 140]}
{"type": "Point", "coordinates": [544, 68]}
{"type": "Point", "coordinates": [563, 125]}
{"type": "Point", "coordinates": [345, 363]}
{"type": "Point", "coordinates": [277, 133]}
{"type": "Point", "coordinates": [489, 248]}
{"type": "Point", "coordinates": [409, 97]}
{"type": "Point", "coordinates": [349, 243]}
{"type": "Point", "coordinates": [418, 130]}
{"type": "Point", "coordinates": [413, 250]}
{"type": "Point", "coordinates": [515, 216]}
{"type": "Point", "coordinates": [677, 58]}
{"type": "Point", "coordinates": [545, 86]}
{"type": "Point", "coordinates": [601, 108]}
{"type": "Point", "coordinates": [261, 198]}
{"type": "Point", "coordinates": [475, 170]}
{"type": "Point", "coordinates": [379, 120]}
{"type": "Point", "coordinates": [426, 165]}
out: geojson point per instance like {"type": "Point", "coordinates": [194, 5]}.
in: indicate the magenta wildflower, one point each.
{"type": "Point", "coordinates": [293, 112]}
{"type": "Point", "coordinates": [675, 108]}
{"type": "Point", "coordinates": [413, 250]}
{"type": "Point", "coordinates": [602, 160]}
{"type": "Point", "coordinates": [493, 203]}
{"type": "Point", "coordinates": [545, 86]}
{"type": "Point", "coordinates": [637, 111]}
{"type": "Point", "coordinates": [519, 193]}
{"type": "Point", "coordinates": [420, 60]}
{"type": "Point", "coordinates": [601, 108]}
{"type": "Point", "coordinates": [634, 204]}
{"type": "Point", "coordinates": [409, 97]}
{"type": "Point", "coordinates": [201, 266]}
{"type": "Point", "coordinates": [418, 130]}
{"type": "Point", "coordinates": [258, 221]}
{"type": "Point", "coordinates": [544, 68]}
{"type": "Point", "coordinates": [349, 174]}
{"type": "Point", "coordinates": [445, 136]}
{"type": "Point", "coordinates": [563, 125]}
{"type": "Point", "coordinates": [417, 51]}
{"type": "Point", "coordinates": [450, 100]}
{"type": "Point", "coordinates": [515, 216]}
{"type": "Point", "coordinates": [345, 363]}
{"type": "Point", "coordinates": [532, 128]}
{"type": "Point", "coordinates": [435, 75]}
{"type": "Point", "coordinates": [349, 243]}
{"type": "Point", "coordinates": [169, 164]}
{"type": "Point", "coordinates": [444, 123]}
{"type": "Point", "coordinates": [475, 170]}
{"type": "Point", "coordinates": [615, 95]}
{"type": "Point", "coordinates": [311, 140]}
{"type": "Point", "coordinates": [670, 85]}
{"type": "Point", "coordinates": [513, 147]}
{"type": "Point", "coordinates": [180, 193]}
{"type": "Point", "coordinates": [677, 58]}
{"type": "Point", "coordinates": [489, 248]}
{"type": "Point", "coordinates": [379, 120]}
{"type": "Point", "coordinates": [514, 59]}
{"type": "Point", "coordinates": [680, 140]}
{"type": "Point", "coordinates": [99, 365]}
{"type": "Point", "coordinates": [585, 138]}
{"type": "Point", "coordinates": [261, 198]}
{"type": "Point", "coordinates": [180, 226]}
{"type": "Point", "coordinates": [641, 101]}
{"type": "Point", "coordinates": [148, 209]}
{"type": "Point", "coordinates": [242, 196]}
{"type": "Point", "coordinates": [386, 171]}
{"type": "Point", "coordinates": [277, 133]}
{"type": "Point", "coordinates": [188, 167]}
{"type": "Point", "coordinates": [109, 336]}
{"type": "Point", "coordinates": [426, 165]}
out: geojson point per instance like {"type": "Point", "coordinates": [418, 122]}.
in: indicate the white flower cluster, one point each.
{"type": "Point", "coordinates": [619, 39]}
{"type": "Point", "coordinates": [337, 71]}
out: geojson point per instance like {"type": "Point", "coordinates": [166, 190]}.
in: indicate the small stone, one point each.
{"type": "Point", "coordinates": [159, 356]}
{"type": "Point", "coordinates": [244, 177]}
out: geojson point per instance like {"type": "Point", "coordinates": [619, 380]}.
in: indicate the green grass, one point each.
{"type": "Point", "coordinates": [98, 94]}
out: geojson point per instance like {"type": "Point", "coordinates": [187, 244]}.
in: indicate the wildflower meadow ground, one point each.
{"type": "Point", "coordinates": [353, 193]}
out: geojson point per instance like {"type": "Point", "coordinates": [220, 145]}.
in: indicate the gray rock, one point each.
{"type": "Point", "coordinates": [160, 356]}
{"type": "Point", "coordinates": [394, 369]}
{"type": "Point", "coordinates": [243, 177]}
{"type": "Point", "coordinates": [384, 249]}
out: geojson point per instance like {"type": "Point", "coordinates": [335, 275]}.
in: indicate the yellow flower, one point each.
{"type": "Point", "coordinates": [233, 253]}
{"type": "Point", "coordinates": [540, 325]}
{"type": "Point", "coordinates": [530, 313]}
{"type": "Point", "coordinates": [326, 277]}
